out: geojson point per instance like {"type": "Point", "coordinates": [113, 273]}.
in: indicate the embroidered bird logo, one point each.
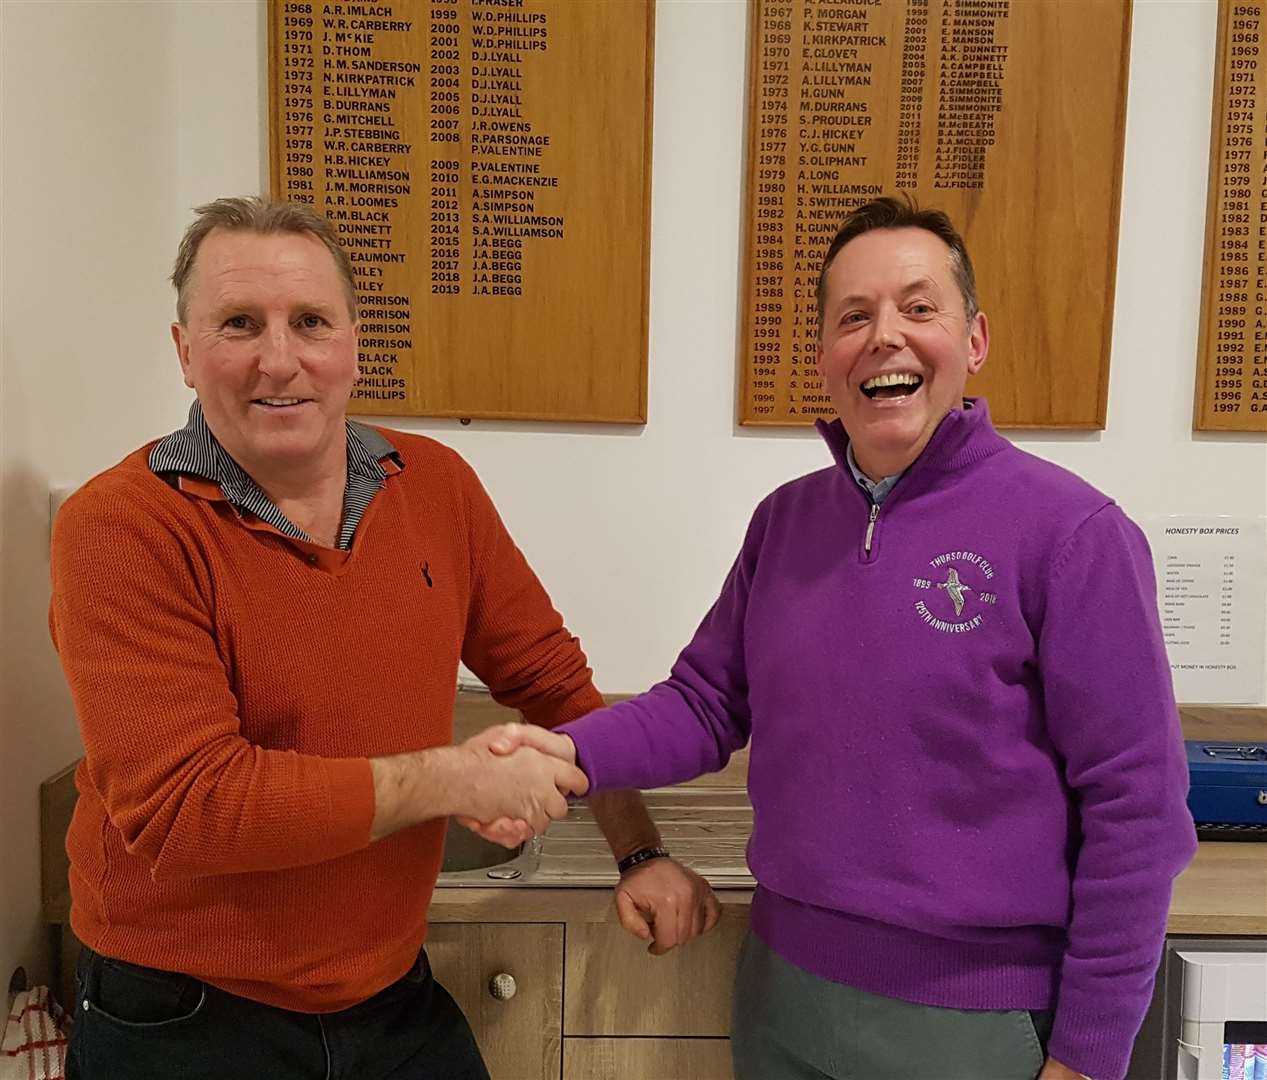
{"type": "Point", "coordinates": [955, 588]}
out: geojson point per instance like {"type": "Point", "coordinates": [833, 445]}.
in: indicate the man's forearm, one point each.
{"type": "Point", "coordinates": [412, 788]}
{"type": "Point", "coordinates": [625, 822]}
{"type": "Point", "coordinates": [471, 781]}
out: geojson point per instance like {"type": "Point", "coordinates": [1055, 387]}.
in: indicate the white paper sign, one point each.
{"type": "Point", "coordinates": [1212, 593]}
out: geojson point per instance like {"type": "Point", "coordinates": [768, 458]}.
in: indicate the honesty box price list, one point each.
{"type": "Point", "coordinates": [496, 227]}
{"type": "Point", "coordinates": [1210, 592]}
{"type": "Point", "coordinates": [1231, 390]}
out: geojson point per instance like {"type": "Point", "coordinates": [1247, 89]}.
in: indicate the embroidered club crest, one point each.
{"type": "Point", "coordinates": [959, 595]}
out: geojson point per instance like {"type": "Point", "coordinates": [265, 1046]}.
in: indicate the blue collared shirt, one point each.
{"type": "Point", "coordinates": [877, 490]}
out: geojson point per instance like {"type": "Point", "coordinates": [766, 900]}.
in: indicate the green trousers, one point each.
{"type": "Point", "coordinates": [791, 1025]}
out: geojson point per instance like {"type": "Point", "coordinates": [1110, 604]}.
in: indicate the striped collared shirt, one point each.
{"type": "Point", "coordinates": [194, 451]}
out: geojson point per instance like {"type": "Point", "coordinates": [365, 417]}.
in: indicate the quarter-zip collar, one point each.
{"type": "Point", "coordinates": [963, 437]}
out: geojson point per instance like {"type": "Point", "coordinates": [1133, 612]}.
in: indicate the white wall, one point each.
{"type": "Point", "coordinates": [115, 118]}
{"type": "Point", "coordinates": [118, 117]}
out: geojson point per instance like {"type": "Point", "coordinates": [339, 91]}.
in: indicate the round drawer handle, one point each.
{"type": "Point", "coordinates": [502, 986]}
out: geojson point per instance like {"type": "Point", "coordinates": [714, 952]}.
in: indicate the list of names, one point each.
{"type": "Point", "coordinates": [1232, 384]}
{"type": "Point", "coordinates": [828, 139]}
{"type": "Point", "coordinates": [1008, 115]}
{"type": "Point", "coordinates": [429, 134]}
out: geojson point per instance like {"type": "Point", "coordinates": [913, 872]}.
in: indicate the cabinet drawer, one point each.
{"type": "Point", "coordinates": [519, 1036]}
{"type": "Point", "coordinates": [620, 989]}
{"type": "Point", "coordinates": [646, 1059]}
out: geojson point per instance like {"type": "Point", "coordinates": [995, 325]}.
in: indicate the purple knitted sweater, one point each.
{"type": "Point", "coordinates": [967, 772]}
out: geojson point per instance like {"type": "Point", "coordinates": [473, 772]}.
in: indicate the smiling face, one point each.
{"type": "Point", "coordinates": [270, 347]}
{"type": "Point", "coordinates": [896, 346]}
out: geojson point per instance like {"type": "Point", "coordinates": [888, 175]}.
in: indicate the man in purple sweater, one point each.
{"type": "Point", "coordinates": [967, 772]}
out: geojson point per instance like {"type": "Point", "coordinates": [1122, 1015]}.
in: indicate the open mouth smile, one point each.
{"type": "Point", "coordinates": [279, 402]}
{"type": "Point", "coordinates": [894, 385]}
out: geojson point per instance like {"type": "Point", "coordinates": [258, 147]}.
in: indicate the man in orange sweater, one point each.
{"type": "Point", "coordinates": [261, 618]}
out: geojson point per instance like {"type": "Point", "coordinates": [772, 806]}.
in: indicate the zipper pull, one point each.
{"type": "Point", "coordinates": [875, 513]}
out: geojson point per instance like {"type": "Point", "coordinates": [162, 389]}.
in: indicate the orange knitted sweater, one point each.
{"type": "Point", "coordinates": [231, 684]}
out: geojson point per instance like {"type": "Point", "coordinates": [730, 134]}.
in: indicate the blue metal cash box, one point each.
{"type": "Point", "coordinates": [1228, 792]}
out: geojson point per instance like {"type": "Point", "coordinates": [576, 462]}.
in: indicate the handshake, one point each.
{"type": "Point", "coordinates": [518, 778]}
{"type": "Point", "coordinates": [507, 784]}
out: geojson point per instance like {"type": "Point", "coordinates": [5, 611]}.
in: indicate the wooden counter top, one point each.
{"type": "Point", "coordinates": [1223, 891]}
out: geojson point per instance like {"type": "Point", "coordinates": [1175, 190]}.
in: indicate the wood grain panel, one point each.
{"type": "Point", "coordinates": [646, 1059]}
{"type": "Point", "coordinates": [630, 992]}
{"type": "Point", "coordinates": [1008, 115]}
{"type": "Point", "coordinates": [1231, 385]}
{"type": "Point", "coordinates": [519, 1038]}
{"type": "Point", "coordinates": [487, 166]}
{"type": "Point", "coordinates": [1222, 891]}
{"type": "Point", "coordinates": [1231, 722]}
{"type": "Point", "coordinates": [58, 796]}
{"type": "Point", "coordinates": [531, 903]}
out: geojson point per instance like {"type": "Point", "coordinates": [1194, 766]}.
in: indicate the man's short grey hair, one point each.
{"type": "Point", "coordinates": [258, 215]}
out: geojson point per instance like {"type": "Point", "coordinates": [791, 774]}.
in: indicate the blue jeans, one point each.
{"type": "Point", "coordinates": [139, 1023]}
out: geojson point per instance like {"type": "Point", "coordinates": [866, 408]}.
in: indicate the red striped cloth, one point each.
{"type": "Point", "coordinates": [34, 1046]}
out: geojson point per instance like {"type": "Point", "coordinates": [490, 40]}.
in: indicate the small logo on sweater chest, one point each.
{"type": "Point", "coordinates": [959, 592]}
{"type": "Point", "coordinates": [426, 573]}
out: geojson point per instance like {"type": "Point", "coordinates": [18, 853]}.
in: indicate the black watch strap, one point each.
{"type": "Point", "coordinates": [637, 858]}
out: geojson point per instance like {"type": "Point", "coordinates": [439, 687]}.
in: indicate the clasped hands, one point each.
{"type": "Point", "coordinates": [531, 772]}
{"type": "Point", "coordinates": [522, 782]}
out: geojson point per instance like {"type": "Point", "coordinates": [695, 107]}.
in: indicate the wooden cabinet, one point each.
{"type": "Point", "coordinates": [508, 980]}
{"type": "Point", "coordinates": [589, 1002]}
{"type": "Point", "coordinates": [646, 1059]}
{"type": "Point", "coordinates": [624, 991]}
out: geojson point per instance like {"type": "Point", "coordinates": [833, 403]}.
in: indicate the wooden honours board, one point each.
{"type": "Point", "coordinates": [1007, 114]}
{"type": "Point", "coordinates": [1231, 391]}
{"type": "Point", "coordinates": [487, 165]}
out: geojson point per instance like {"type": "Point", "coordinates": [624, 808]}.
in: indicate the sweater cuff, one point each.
{"type": "Point", "coordinates": [586, 736]}
{"type": "Point", "coordinates": [350, 782]}
{"type": "Point", "coordinates": [1094, 1043]}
